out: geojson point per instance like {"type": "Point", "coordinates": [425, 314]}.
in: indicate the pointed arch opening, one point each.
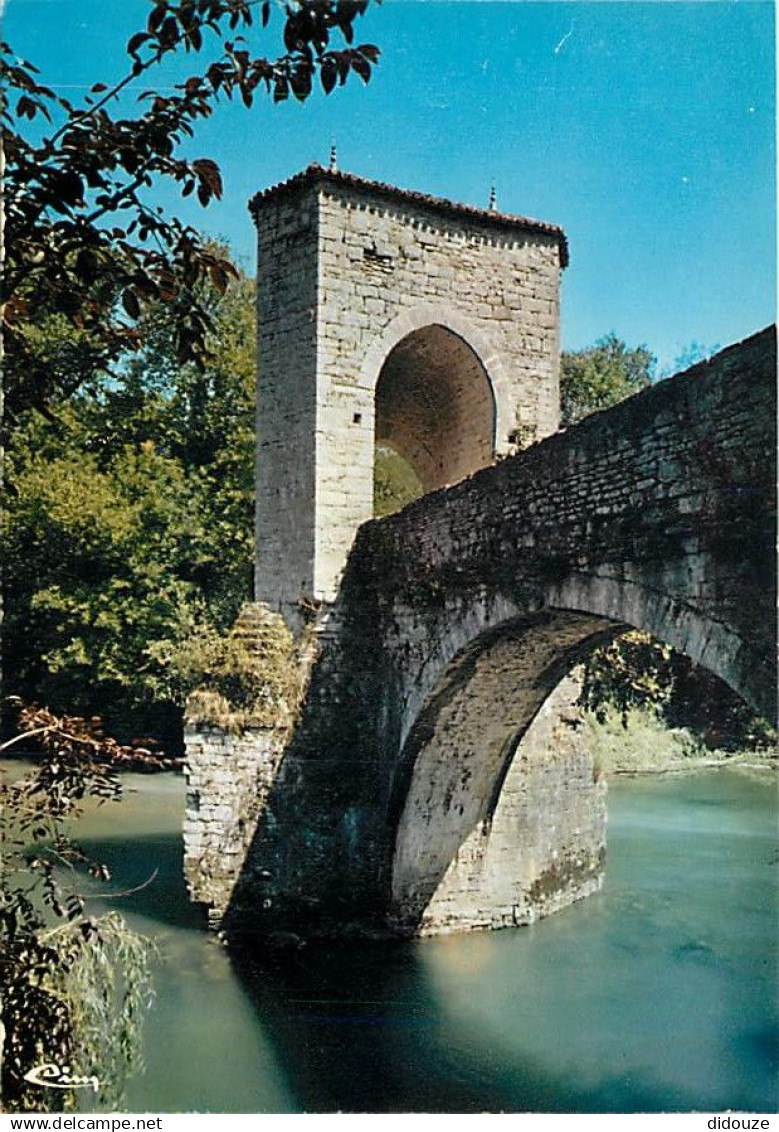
{"type": "Point", "coordinates": [435, 415]}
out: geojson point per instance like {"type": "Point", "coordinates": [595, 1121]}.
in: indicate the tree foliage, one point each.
{"type": "Point", "coordinates": [395, 482]}
{"type": "Point", "coordinates": [97, 594]}
{"type": "Point", "coordinates": [600, 376]}
{"type": "Point", "coordinates": [73, 987]}
{"type": "Point", "coordinates": [636, 671]}
{"type": "Point", "coordinates": [85, 247]}
{"type": "Point", "coordinates": [129, 524]}
{"type": "Point", "coordinates": [128, 515]}
{"type": "Point", "coordinates": [633, 671]}
{"type": "Point", "coordinates": [248, 677]}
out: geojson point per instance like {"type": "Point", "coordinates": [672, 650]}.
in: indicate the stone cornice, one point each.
{"type": "Point", "coordinates": [335, 179]}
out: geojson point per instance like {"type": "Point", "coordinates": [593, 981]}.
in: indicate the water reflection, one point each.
{"type": "Point", "coordinates": [658, 994]}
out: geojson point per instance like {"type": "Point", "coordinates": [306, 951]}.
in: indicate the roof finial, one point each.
{"type": "Point", "coordinates": [333, 166]}
{"type": "Point", "coordinates": [493, 204]}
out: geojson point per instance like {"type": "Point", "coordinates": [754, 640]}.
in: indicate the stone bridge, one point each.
{"type": "Point", "coordinates": [430, 775]}
{"type": "Point", "coordinates": [436, 779]}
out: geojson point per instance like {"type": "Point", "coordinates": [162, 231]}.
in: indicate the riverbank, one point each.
{"type": "Point", "coordinates": [646, 746]}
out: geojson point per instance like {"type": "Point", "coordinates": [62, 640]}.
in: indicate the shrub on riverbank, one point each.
{"type": "Point", "coordinates": [646, 744]}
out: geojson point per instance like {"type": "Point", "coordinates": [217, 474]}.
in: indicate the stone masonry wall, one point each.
{"type": "Point", "coordinates": [229, 777]}
{"type": "Point", "coordinates": [379, 258]}
{"type": "Point", "coordinates": [286, 401]}
{"type": "Point", "coordinates": [543, 846]}
{"type": "Point", "coordinates": [347, 268]}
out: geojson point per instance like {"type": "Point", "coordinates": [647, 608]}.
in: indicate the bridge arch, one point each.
{"type": "Point", "coordinates": [618, 603]}
{"type": "Point", "coordinates": [470, 846]}
{"type": "Point", "coordinates": [662, 614]}
{"type": "Point", "coordinates": [417, 317]}
{"type": "Point", "coordinates": [489, 733]}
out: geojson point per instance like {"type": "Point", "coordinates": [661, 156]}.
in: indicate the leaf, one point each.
{"type": "Point", "coordinates": [68, 186]}
{"type": "Point", "coordinates": [209, 176]}
{"type": "Point", "coordinates": [342, 63]}
{"type": "Point", "coordinates": [362, 67]}
{"type": "Point", "coordinates": [27, 107]}
{"type": "Point", "coordinates": [87, 264]}
{"type": "Point", "coordinates": [156, 16]}
{"type": "Point", "coordinates": [168, 33]}
{"type": "Point", "coordinates": [346, 29]}
{"type": "Point", "coordinates": [328, 74]}
{"type": "Point", "coordinates": [300, 81]}
{"type": "Point", "coordinates": [218, 277]}
{"type": "Point", "coordinates": [292, 38]}
{"type": "Point", "coordinates": [130, 303]}
{"type": "Point", "coordinates": [136, 41]}
{"type": "Point", "coordinates": [215, 75]}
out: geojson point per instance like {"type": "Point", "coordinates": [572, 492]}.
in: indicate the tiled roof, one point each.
{"type": "Point", "coordinates": [447, 207]}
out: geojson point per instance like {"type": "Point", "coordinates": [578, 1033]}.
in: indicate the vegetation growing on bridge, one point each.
{"type": "Point", "coordinates": [249, 677]}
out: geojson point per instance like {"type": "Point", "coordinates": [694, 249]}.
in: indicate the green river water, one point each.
{"type": "Point", "coordinates": [658, 994]}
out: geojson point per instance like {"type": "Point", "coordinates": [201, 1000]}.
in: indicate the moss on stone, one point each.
{"type": "Point", "coordinates": [566, 872]}
{"type": "Point", "coordinates": [250, 678]}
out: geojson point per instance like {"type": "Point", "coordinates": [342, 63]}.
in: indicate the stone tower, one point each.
{"type": "Point", "coordinates": [395, 318]}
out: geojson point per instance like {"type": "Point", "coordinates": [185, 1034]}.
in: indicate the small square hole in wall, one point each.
{"type": "Point", "coordinates": [357, 418]}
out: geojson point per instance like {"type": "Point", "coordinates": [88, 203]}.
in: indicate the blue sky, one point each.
{"type": "Point", "coordinates": [645, 129]}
